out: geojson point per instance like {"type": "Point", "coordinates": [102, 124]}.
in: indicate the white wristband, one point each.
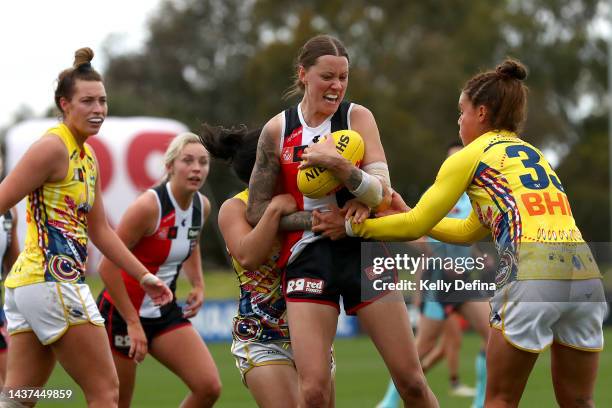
{"type": "Point", "coordinates": [348, 227]}
{"type": "Point", "coordinates": [148, 278]}
{"type": "Point", "coordinates": [369, 191]}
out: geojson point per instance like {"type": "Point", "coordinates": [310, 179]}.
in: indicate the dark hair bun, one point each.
{"type": "Point", "coordinates": [82, 56]}
{"type": "Point", "coordinates": [512, 69]}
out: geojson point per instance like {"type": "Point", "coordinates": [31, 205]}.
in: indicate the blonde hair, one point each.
{"type": "Point", "coordinates": [176, 147]}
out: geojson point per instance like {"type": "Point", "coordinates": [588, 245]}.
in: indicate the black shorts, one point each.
{"type": "Point", "coordinates": [3, 345]}
{"type": "Point", "coordinates": [116, 327]}
{"type": "Point", "coordinates": [326, 270]}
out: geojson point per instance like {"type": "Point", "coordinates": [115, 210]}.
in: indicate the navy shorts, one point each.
{"type": "Point", "coordinates": [116, 327]}
{"type": "Point", "coordinates": [326, 270]}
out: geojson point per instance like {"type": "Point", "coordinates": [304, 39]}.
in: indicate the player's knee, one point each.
{"type": "Point", "coordinates": [499, 398]}
{"type": "Point", "coordinates": [315, 393]}
{"type": "Point", "coordinates": [412, 388]}
{"type": "Point", "coordinates": [208, 390]}
{"type": "Point", "coordinates": [107, 393]}
{"type": "Point", "coordinates": [568, 397]}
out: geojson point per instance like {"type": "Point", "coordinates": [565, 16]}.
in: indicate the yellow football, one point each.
{"type": "Point", "coordinates": [317, 182]}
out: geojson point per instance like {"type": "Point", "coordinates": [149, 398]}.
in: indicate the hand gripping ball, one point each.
{"type": "Point", "coordinates": [317, 182]}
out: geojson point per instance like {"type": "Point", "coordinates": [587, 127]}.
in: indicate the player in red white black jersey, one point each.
{"type": "Point", "coordinates": [9, 251]}
{"type": "Point", "coordinates": [320, 270]}
{"type": "Point", "coordinates": [162, 228]}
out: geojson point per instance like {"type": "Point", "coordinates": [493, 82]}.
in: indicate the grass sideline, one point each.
{"type": "Point", "coordinates": [361, 379]}
{"type": "Point", "coordinates": [218, 284]}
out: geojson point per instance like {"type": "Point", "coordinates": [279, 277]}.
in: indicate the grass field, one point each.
{"type": "Point", "coordinates": [361, 377]}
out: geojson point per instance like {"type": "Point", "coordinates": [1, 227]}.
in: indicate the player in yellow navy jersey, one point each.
{"type": "Point", "coordinates": [549, 291]}
{"type": "Point", "coordinates": [50, 311]}
{"type": "Point", "coordinates": [261, 344]}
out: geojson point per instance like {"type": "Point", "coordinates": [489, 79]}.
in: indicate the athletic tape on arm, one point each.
{"type": "Point", "coordinates": [370, 190]}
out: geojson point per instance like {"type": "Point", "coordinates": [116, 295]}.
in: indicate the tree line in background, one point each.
{"type": "Point", "coordinates": [229, 62]}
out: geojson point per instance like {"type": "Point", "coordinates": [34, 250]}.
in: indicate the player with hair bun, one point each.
{"type": "Point", "coordinates": [548, 286]}
{"type": "Point", "coordinates": [50, 311]}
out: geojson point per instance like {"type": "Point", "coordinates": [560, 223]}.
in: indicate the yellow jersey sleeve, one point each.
{"type": "Point", "coordinates": [459, 231]}
{"type": "Point", "coordinates": [452, 180]}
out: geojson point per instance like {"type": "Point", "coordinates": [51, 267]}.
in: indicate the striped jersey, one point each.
{"type": "Point", "coordinates": [163, 252]}
{"type": "Point", "coordinates": [296, 137]}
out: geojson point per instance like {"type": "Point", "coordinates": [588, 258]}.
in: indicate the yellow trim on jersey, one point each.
{"type": "Point", "coordinates": [515, 195]}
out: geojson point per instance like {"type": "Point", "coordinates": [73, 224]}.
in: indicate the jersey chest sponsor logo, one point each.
{"type": "Point", "coordinates": [292, 154]}
{"type": "Point", "coordinates": [167, 233]}
{"type": "Point", "coordinates": [293, 135]}
{"type": "Point", "coordinates": [305, 285]}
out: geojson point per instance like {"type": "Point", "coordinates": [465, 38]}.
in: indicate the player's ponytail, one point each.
{"type": "Point", "coordinates": [236, 145]}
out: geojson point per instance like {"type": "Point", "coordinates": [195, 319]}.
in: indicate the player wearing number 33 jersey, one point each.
{"type": "Point", "coordinates": [515, 195]}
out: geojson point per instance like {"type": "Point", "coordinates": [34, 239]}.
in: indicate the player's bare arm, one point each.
{"type": "Point", "coordinates": [264, 179]}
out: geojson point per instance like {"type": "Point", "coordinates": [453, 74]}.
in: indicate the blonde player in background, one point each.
{"type": "Point", "coordinates": [162, 229]}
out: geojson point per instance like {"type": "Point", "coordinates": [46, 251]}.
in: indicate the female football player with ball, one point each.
{"type": "Point", "coordinates": [319, 270]}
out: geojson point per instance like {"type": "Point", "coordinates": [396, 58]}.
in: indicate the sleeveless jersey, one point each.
{"type": "Point", "coordinates": [56, 239]}
{"type": "Point", "coordinates": [262, 310]}
{"type": "Point", "coordinates": [516, 195]}
{"type": "Point", "coordinates": [296, 137]}
{"type": "Point", "coordinates": [164, 251]}
{"type": "Point", "coordinates": [6, 236]}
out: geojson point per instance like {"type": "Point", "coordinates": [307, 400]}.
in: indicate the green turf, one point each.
{"type": "Point", "coordinates": [219, 284]}
{"type": "Point", "coordinates": [361, 379]}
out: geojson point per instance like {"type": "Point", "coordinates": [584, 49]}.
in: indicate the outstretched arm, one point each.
{"type": "Point", "coordinates": [459, 231]}
{"type": "Point", "coordinates": [453, 179]}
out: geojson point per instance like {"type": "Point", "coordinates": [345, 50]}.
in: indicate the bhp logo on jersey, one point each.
{"type": "Point", "coordinates": [306, 285]}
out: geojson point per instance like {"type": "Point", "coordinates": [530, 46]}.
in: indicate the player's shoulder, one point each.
{"type": "Point", "coordinates": [274, 125]}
